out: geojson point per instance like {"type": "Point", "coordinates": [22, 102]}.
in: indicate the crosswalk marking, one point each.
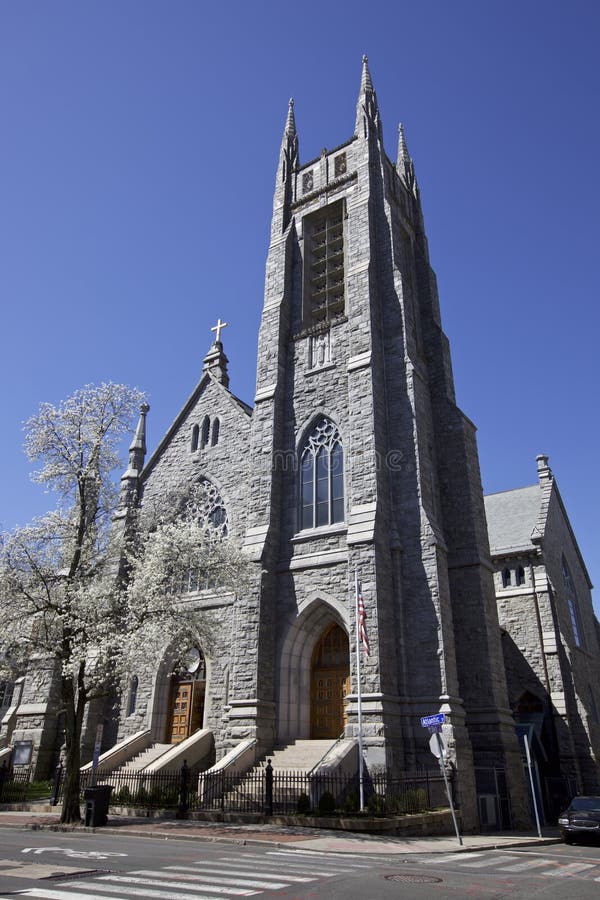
{"type": "Point", "coordinates": [108, 891]}
{"type": "Point", "coordinates": [570, 869]}
{"type": "Point", "coordinates": [48, 894]}
{"type": "Point", "coordinates": [452, 857]}
{"type": "Point", "coordinates": [523, 866]}
{"type": "Point", "coordinates": [246, 881]}
{"type": "Point", "coordinates": [318, 854]}
{"type": "Point", "coordinates": [210, 867]}
{"type": "Point", "coordinates": [155, 882]}
{"type": "Point", "coordinates": [296, 867]}
{"type": "Point", "coordinates": [486, 861]}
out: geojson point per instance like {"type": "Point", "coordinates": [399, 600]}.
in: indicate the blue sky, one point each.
{"type": "Point", "coordinates": [137, 169]}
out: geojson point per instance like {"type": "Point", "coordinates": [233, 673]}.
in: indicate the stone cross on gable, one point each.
{"type": "Point", "coordinates": [219, 328]}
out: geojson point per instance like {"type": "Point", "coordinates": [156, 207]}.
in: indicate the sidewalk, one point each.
{"type": "Point", "coordinates": [297, 837]}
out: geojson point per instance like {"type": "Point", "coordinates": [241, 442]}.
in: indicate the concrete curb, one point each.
{"type": "Point", "coordinates": [295, 841]}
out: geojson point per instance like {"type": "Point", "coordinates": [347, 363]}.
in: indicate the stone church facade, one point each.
{"type": "Point", "coordinates": [354, 458]}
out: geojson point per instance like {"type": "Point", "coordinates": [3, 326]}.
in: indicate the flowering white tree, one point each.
{"type": "Point", "coordinates": [60, 597]}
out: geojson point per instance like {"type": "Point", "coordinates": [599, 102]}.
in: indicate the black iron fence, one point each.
{"type": "Point", "coordinates": [156, 790]}
{"type": "Point", "coordinates": [284, 792]}
{"type": "Point", "coordinates": [15, 784]}
{"type": "Point", "coordinates": [267, 791]}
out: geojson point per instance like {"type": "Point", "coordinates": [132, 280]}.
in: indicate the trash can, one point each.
{"type": "Point", "coordinates": [96, 804]}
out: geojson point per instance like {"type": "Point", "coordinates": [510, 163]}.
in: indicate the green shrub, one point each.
{"type": "Point", "coordinates": [326, 804]}
{"type": "Point", "coordinates": [376, 805]}
{"type": "Point", "coordinates": [39, 789]}
{"type": "Point", "coordinates": [303, 805]}
{"type": "Point", "coordinates": [141, 798]}
{"type": "Point", "coordinates": [351, 803]}
{"type": "Point", "coordinates": [412, 801]}
{"type": "Point", "coordinates": [122, 797]}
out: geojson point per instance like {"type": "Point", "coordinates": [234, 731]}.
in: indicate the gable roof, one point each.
{"type": "Point", "coordinates": [205, 380]}
{"type": "Point", "coordinates": [511, 519]}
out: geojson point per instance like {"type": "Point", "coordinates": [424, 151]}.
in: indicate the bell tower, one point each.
{"type": "Point", "coordinates": [363, 462]}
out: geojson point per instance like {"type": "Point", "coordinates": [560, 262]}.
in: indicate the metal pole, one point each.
{"type": "Point", "coordinates": [361, 789]}
{"type": "Point", "coordinates": [533, 796]}
{"type": "Point", "coordinates": [448, 793]}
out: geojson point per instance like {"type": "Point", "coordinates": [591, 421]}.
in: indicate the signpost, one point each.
{"type": "Point", "coordinates": [439, 748]}
{"type": "Point", "coordinates": [97, 745]}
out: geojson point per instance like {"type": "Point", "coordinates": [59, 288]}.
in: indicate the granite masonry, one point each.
{"type": "Point", "coordinates": [355, 459]}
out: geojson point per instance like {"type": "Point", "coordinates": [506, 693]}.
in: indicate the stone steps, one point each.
{"type": "Point", "coordinates": [141, 760]}
{"type": "Point", "coordinates": [299, 757]}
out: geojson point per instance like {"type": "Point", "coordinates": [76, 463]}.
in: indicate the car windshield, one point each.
{"type": "Point", "coordinates": [589, 803]}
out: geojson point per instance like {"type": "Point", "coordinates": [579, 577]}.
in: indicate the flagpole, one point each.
{"type": "Point", "coordinates": [359, 697]}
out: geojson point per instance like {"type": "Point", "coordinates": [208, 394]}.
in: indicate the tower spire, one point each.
{"type": "Point", "coordinates": [215, 360]}
{"type": "Point", "coordinates": [404, 164]}
{"type": "Point", "coordinates": [290, 123]}
{"type": "Point", "coordinates": [288, 163]}
{"type": "Point", "coordinates": [137, 448]}
{"type": "Point", "coordinates": [137, 455]}
{"type": "Point", "coordinates": [367, 111]}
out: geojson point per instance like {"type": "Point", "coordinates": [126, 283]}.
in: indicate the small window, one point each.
{"type": "Point", "coordinates": [205, 431]}
{"type": "Point", "coordinates": [506, 577]}
{"type": "Point", "coordinates": [520, 575]}
{"type": "Point", "coordinates": [214, 437]}
{"type": "Point", "coordinates": [340, 165]}
{"type": "Point", "coordinates": [572, 605]}
{"type": "Point", "coordinates": [195, 438]}
{"type": "Point", "coordinates": [6, 693]}
{"type": "Point", "coordinates": [133, 689]}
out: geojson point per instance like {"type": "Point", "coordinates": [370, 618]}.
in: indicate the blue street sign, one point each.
{"type": "Point", "coordinates": [438, 719]}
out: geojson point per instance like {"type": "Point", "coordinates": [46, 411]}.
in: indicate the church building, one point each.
{"type": "Point", "coordinates": [354, 460]}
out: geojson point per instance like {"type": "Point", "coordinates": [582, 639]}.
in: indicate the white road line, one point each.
{"type": "Point", "coordinates": [317, 854]}
{"type": "Point", "coordinates": [215, 879]}
{"type": "Point", "coordinates": [58, 895]}
{"type": "Point", "coordinates": [523, 866]}
{"type": "Point", "coordinates": [570, 869]}
{"type": "Point", "coordinates": [292, 867]}
{"type": "Point", "coordinates": [487, 861]}
{"type": "Point", "coordinates": [155, 882]}
{"type": "Point", "coordinates": [451, 857]}
{"type": "Point", "coordinates": [110, 889]}
{"type": "Point", "coordinates": [210, 867]}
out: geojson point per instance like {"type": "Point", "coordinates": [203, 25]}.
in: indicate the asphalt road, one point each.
{"type": "Point", "coordinates": [82, 866]}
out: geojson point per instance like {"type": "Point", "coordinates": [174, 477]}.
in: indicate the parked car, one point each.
{"type": "Point", "coordinates": [580, 819]}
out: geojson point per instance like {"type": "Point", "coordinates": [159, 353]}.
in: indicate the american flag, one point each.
{"type": "Point", "coordinates": [362, 621]}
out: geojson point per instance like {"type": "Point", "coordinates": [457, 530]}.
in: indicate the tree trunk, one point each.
{"type": "Point", "coordinates": [73, 722]}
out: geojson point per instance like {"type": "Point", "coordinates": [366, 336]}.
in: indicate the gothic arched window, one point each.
{"type": "Point", "coordinates": [205, 431]}
{"type": "Point", "coordinates": [214, 437]}
{"type": "Point", "coordinates": [322, 477]}
{"type": "Point", "coordinates": [133, 690]}
{"type": "Point", "coordinates": [195, 437]}
{"type": "Point", "coordinates": [506, 577]}
{"type": "Point", "coordinates": [520, 575]}
{"type": "Point", "coordinates": [572, 604]}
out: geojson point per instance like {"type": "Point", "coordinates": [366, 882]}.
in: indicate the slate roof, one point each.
{"type": "Point", "coordinates": [511, 517]}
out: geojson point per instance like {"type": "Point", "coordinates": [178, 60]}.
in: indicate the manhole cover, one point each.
{"type": "Point", "coordinates": [408, 878]}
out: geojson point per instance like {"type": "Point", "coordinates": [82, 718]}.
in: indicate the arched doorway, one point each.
{"type": "Point", "coordinates": [188, 690]}
{"type": "Point", "coordinates": [330, 683]}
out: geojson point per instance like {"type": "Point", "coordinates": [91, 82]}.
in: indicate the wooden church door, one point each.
{"type": "Point", "coordinates": [187, 702]}
{"type": "Point", "coordinates": [330, 683]}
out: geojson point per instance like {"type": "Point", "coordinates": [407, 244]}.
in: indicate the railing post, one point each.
{"type": "Point", "coordinates": [184, 788]}
{"type": "Point", "coordinates": [56, 786]}
{"type": "Point", "coordinates": [269, 789]}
